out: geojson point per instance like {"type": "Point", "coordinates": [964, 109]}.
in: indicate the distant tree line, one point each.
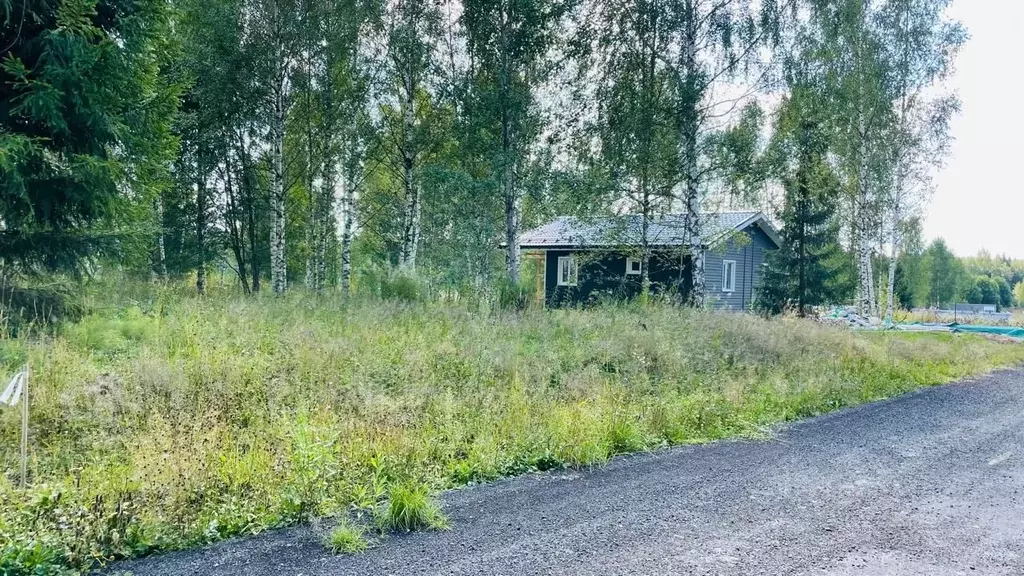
{"type": "Point", "coordinates": [932, 276]}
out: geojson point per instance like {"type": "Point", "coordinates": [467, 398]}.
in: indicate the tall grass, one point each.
{"type": "Point", "coordinates": [164, 421]}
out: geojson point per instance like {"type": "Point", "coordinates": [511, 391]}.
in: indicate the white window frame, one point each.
{"type": "Point", "coordinates": [629, 266]}
{"type": "Point", "coordinates": [728, 275]}
{"type": "Point", "coordinates": [574, 271]}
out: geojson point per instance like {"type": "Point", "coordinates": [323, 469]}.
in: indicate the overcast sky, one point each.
{"type": "Point", "coordinates": [979, 196]}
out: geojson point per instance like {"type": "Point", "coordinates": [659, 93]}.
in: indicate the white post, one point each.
{"type": "Point", "coordinates": [24, 429]}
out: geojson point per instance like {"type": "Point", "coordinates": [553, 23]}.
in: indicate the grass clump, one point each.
{"type": "Point", "coordinates": [163, 421]}
{"type": "Point", "coordinates": [410, 507]}
{"type": "Point", "coordinates": [347, 538]}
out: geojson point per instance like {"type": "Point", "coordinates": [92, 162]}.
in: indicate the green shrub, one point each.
{"type": "Point", "coordinates": [513, 296]}
{"type": "Point", "coordinates": [401, 288]}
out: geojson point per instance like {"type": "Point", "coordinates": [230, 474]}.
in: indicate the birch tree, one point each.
{"type": "Point", "coordinates": [352, 65]}
{"type": "Point", "coordinates": [847, 43]}
{"type": "Point", "coordinates": [273, 25]}
{"type": "Point", "coordinates": [717, 41]}
{"type": "Point", "coordinates": [314, 126]}
{"type": "Point", "coordinates": [412, 27]}
{"type": "Point", "coordinates": [623, 44]}
{"type": "Point", "coordinates": [919, 46]}
{"type": "Point", "coordinates": [506, 43]}
{"type": "Point", "coordinates": [222, 121]}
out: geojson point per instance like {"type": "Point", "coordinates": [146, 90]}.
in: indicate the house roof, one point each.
{"type": "Point", "coordinates": [625, 229]}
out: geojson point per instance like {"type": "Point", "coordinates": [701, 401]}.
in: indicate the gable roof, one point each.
{"type": "Point", "coordinates": [625, 229]}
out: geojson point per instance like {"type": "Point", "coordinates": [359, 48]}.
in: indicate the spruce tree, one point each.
{"type": "Point", "coordinates": [78, 153]}
{"type": "Point", "coordinates": [808, 268]}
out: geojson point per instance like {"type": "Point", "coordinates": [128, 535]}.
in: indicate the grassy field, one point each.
{"type": "Point", "coordinates": [163, 421]}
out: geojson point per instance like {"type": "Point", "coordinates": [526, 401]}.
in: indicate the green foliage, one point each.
{"type": "Point", "coordinates": [636, 104]}
{"type": "Point", "coordinates": [1005, 292]}
{"type": "Point", "coordinates": [410, 507]}
{"type": "Point", "coordinates": [108, 335]}
{"type": "Point", "coordinates": [739, 150]}
{"type": "Point", "coordinates": [934, 276]}
{"type": "Point", "coordinates": [983, 290]}
{"type": "Point", "coordinates": [514, 296]}
{"type": "Point", "coordinates": [347, 538]}
{"type": "Point", "coordinates": [912, 276]}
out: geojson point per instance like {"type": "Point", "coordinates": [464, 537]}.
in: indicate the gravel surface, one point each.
{"type": "Point", "coordinates": [931, 483]}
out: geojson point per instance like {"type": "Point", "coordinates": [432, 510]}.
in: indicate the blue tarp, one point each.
{"type": "Point", "coordinates": [1009, 331]}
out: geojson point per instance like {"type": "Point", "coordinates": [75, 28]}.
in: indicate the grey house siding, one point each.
{"type": "Point", "coordinates": [749, 258]}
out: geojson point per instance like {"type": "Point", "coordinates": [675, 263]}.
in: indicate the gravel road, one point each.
{"type": "Point", "coordinates": [931, 483]}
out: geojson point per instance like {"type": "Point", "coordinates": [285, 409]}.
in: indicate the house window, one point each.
{"type": "Point", "coordinates": [728, 275]}
{"type": "Point", "coordinates": [633, 266]}
{"type": "Point", "coordinates": [567, 271]}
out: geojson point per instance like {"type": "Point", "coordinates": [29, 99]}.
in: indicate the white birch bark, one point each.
{"type": "Point", "coordinates": [691, 190]}
{"type": "Point", "coordinates": [414, 227]}
{"type": "Point", "coordinates": [325, 207]}
{"type": "Point", "coordinates": [890, 304]}
{"type": "Point", "coordinates": [508, 164]}
{"type": "Point", "coordinates": [321, 252]}
{"type": "Point", "coordinates": [645, 245]}
{"type": "Point", "coordinates": [865, 288]}
{"type": "Point", "coordinates": [348, 205]}
{"type": "Point", "coordinates": [312, 240]}
{"type": "Point", "coordinates": [278, 263]}
{"type": "Point", "coordinates": [410, 228]}
{"type": "Point", "coordinates": [161, 252]}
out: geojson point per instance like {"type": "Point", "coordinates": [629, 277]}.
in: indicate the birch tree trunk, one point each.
{"type": "Point", "coordinates": [278, 263]}
{"type": "Point", "coordinates": [508, 162]}
{"type": "Point", "coordinates": [689, 121]}
{"type": "Point", "coordinates": [865, 290]}
{"type": "Point", "coordinates": [890, 304]}
{"type": "Point", "coordinates": [511, 226]}
{"type": "Point", "coordinates": [410, 232]}
{"type": "Point", "coordinates": [350, 177]}
{"type": "Point", "coordinates": [410, 227]}
{"type": "Point", "coordinates": [645, 248]}
{"type": "Point", "coordinates": [326, 210]}
{"type": "Point", "coordinates": [161, 252]}
{"type": "Point", "coordinates": [313, 225]}
{"type": "Point", "coordinates": [416, 210]}
{"type": "Point", "coordinates": [348, 205]}
{"type": "Point", "coordinates": [201, 234]}
{"type": "Point", "coordinates": [312, 239]}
